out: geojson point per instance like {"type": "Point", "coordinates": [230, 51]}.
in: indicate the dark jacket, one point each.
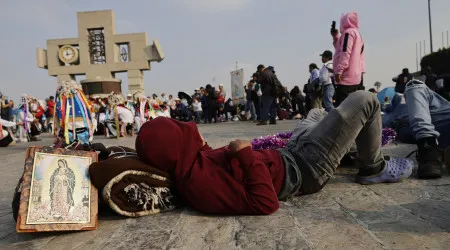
{"type": "Point", "coordinates": [267, 80]}
{"type": "Point", "coordinates": [211, 98]}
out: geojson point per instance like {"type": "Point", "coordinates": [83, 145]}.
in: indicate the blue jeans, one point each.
{"type": "Point", "coordinates": [429, 113]}
{"type": "Point", "coordinates": [328, 93]}
{"type": "Point", "coordinates": [268, 108]}
{"type": "Point", "coordinates": [197, 116]}
{"type": "Point", "coordinates": [250, 106]}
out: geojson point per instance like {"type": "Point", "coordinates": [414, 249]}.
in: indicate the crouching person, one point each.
{"type": "Point", "coordinates": [239, 180]}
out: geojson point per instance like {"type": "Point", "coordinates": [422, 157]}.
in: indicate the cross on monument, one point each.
{"type": "Point", "coordinates": [99, 53]}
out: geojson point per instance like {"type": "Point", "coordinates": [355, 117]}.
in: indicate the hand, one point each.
{"type": "Point", "coordinates": [338, 78]}
{"type": "Point", "coordinates": [237, 145]}
{"type": "Point", "coordinates": [334, 32]}
{"type": "Point", "coordinates": [19, 123]}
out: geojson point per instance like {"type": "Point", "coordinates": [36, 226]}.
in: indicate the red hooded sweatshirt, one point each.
{"type": "Point", "coordinates": [212, 181]}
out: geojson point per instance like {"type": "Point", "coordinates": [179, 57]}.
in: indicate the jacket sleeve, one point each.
{"type": "Point", "coordinates": [343, 58]}
{"type": "Point", "coordinates": [216, 191]}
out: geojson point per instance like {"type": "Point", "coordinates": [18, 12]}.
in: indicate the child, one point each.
{"type": "Point", "coordinates": [197, 106]}
{"type": "Point", "coordinates": [239, 180]}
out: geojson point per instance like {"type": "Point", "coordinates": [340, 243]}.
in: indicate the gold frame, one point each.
{"type": "Point", "coordinates": [23, 224]}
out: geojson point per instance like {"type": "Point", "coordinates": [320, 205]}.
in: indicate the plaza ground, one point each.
{"type": "Point", "coordinates": [414, 214]}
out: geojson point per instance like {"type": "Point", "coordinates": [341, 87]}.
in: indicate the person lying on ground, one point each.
{"type": "Point", "coordinates": [241, 181]}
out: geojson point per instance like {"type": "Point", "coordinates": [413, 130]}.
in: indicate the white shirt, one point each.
{"type": "Point", "coordinates": [125, 115]}
{"type": "Point", "coordinates": [7, 124]}
{"type": "Point", "coordinates": [324, 74]}
{"type": "Point", "coordinates": [314, 75]}
{"type": "Point", "coordinates": [197, 106]}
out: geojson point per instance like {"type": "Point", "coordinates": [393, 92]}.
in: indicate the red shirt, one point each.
{"type": "Point", "coordinates": [246, 183]}
{"type": "Point", "coordinates": [51, 107]}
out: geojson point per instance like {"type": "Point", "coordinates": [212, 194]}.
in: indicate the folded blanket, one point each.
{"type": "Point", "coordinates": [132, 188]}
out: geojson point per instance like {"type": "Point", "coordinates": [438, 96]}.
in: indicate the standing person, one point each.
{"type": "Point", "coordinates": [211, 102]}
{"type": "Point", "coordinates": [325, 77]}
{"type": "Point", "coordinates": [314, 87]}
{"type": "Point", "coordinates": [11, 110]}
{"type": "Point", "coordinates": [267, 79]}
{"type": "Point", "coordinates": [249, 105]}
{"type": "Point", "coordinates": [257, 93]}
{"type": "Point", "coordinates": [402, 80]}
{"type": "Point", "coordinates": [349, 60]}
{"type": "Point", "coordinates": [197, 108]}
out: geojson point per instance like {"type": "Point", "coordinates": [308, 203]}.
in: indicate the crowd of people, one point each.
{"type": "Point", "coordinates": [336, 114]}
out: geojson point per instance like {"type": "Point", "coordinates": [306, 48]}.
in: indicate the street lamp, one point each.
{"type": "Point", "coordinates": [431, 34]}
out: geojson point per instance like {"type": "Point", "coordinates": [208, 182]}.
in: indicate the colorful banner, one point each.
{"type": "Point", "coordinates": [237, 85]}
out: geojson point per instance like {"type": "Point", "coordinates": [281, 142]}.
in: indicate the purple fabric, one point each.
{"type": "Point", "coordinates": [281, 139]}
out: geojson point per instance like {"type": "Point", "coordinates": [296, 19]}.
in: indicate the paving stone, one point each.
{"type": "Point", "coordinates": [413, 214]}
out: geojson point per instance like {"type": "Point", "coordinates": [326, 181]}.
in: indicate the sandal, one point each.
{"type": "Point", "coordinates": [395, 170]}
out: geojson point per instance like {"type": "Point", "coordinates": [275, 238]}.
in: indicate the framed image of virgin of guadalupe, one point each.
{"type": "Point", "coordinates": [57, 194]}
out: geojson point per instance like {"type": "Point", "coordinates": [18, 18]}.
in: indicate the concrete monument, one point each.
{"type": "Point", "coordinates": [99, 53]}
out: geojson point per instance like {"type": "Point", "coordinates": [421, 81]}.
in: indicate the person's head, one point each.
{"type": "Point", "coordinates": [405, 71]}
{"type": "Point", "coordinates": [197, 91]}
{"type": "Point", "coordinates": [220, 86]}
{"type": "Point", "coordinates": [168, 151]}
{"type": "Point", "coordinates": [62, 163]}
{"type": "Point", "coordinates": [372, 90]}
{"type": "Point", "coordinates": [260, 68]}
{"type": "Point", "coordinates": [255, 76]}
{"type": "Point", "coordinates": [250, 83]}
{"type": "Point", "coordinates": [349, 20]}
{"type": "Point", "coordinates": [163, 94]}
{"type": "Point", "coordinates": [271, 68]}
{"type": "Point", "coordinates": [178, 100]}
{"type": "Point", "coordinates": [312, 67]}
{"type": "Point", "coordinates": [201, 89]}
{"type": "Point", "coordinates": [51, 98]}
{"type": "Point", "coordinates": [386, 99]}
{"type": "Point", "coordinates": [129, 97]}
{"type": "Point", "coordinates": [155, 96]}
{"type": "Point", "coordinates": [326, 56]}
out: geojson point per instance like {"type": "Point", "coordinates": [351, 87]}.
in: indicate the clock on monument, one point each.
{"type": "Point", "coordinates": [68, 54]}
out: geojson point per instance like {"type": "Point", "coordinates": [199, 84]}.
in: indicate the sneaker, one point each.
{"type": "Point", "coordinates": [395, 170]}
{"type": "Point", "coordinates": [430, 159]}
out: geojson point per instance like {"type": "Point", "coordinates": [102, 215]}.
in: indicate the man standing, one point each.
{"type": "Point", "coordinates": [402, 80]}
{"type": "Point", "coordinates": [4, 112]}
{"type": "Point", "coordinates": [326, 81]}
{"type": "Point", "coordinates": [266, 79]}
{"type": "Point", "coordinates": [349, 62]}
{"type": "Point", "coordinates": [315, 87]}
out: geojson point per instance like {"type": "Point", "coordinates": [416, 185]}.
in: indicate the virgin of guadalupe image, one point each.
{"type": "Point", "coordinates": [62, 184]}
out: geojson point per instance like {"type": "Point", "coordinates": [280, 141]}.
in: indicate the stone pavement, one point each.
{"type": "Point", "coordinates": [414, 214]}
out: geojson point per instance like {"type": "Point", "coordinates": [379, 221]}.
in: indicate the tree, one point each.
{"type": "Point", "coordinates": [377, 85]}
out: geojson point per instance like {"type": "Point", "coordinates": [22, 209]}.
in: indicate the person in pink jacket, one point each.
{"type": "Point", "coordinates": [349, 62]}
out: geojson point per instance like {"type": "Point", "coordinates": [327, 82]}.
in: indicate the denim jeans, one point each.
{"type": "Point", "coordinates": [268, 108]}
{"type": "Point", "coordinates": [429, 113]}
{"type": "Point", "coordinates": [257, 103]}
{"type": "Point", "coordinates": [328, 93]}
{"type": "Point", "coordinates": [320, 141]}
{"type": "Point", "coordinates": [250, 106]}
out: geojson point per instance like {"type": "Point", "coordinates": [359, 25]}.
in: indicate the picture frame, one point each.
{"type": "Point", "coordinates": [57, 194]}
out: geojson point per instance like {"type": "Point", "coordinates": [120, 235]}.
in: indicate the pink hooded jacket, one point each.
{"type": "Point", "coordinates": [349, 60]}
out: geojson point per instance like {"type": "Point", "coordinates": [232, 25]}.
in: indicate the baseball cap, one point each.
{"type": "Point", "coordinates": [328, 54]}
{"type": "Point", "coordinates": [221, 85]}
{"type": "Point", "coordinates": [197, 89]}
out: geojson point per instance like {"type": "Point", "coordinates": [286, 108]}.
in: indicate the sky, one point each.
{"type": "Point", "coordinates": [203, 39]}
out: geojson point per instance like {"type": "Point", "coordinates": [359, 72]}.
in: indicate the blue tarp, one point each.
{"type": "Point", "coordinates": [386, 92]}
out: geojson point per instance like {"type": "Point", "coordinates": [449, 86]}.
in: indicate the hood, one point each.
{"type": "Point", "coordinates": [168, 145]}
{"type": "Point", "coordinates": [349, 20]}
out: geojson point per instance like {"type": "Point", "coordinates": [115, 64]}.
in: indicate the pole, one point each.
{"type": "Point", "coordinates": [236, 65]}
{"type": "Point", "coordinates": [431, 34]}
{"type": "Point", "coordinates": [443, 39]}
{"type": "Point", "coordinates": [420, 48]}
{"type": "Point", "coordinates": [447, 38]}
{"type": "Point", "coordinates": [417, 60]}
